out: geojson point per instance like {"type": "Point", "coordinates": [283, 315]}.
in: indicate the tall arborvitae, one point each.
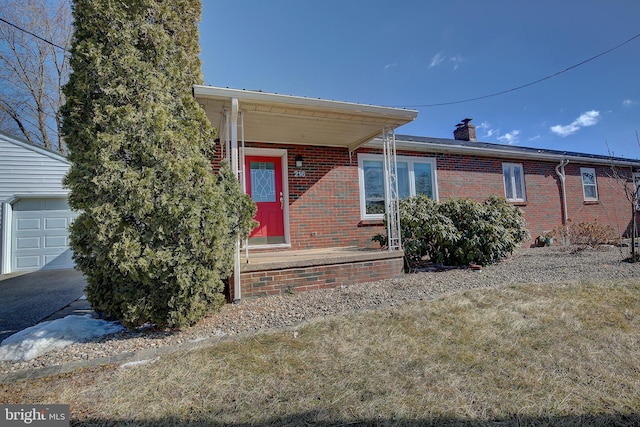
{"type": "Point", "coordinates": [153, 236]}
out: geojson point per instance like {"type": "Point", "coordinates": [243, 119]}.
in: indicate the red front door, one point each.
{"type": "Point", "coordinates": [264, 185]}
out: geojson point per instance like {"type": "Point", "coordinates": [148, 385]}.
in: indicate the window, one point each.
{"type": "Point", "coordinates": [589, 187]}
{"type": "Point", "coordinates": [416, 175]}
{"type": "Point", "coordinates": [513, 176]}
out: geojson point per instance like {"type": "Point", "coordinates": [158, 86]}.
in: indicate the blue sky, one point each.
{"type": "Point", "coordinates": [411, 53]}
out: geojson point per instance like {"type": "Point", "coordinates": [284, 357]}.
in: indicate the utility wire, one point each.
{"type": "Point", "coordinates": [527, 84]}
{"type": "Point", "coordinates": [421, 105]}
{"type": "Point", "coordinates": [34, 35]}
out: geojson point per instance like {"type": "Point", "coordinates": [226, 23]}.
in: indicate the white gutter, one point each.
{"type": "Point", "coordinates": [561, 174]}
{"type": "Point", "coordinates": [274, 98]}
{"type": "Point", "coordinates": [434, 147]}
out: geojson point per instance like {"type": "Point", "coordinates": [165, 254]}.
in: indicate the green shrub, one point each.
{"type": "Point", "coordinates": [424, 230]}
{"type": "Point", "coordinates": [459, 231]}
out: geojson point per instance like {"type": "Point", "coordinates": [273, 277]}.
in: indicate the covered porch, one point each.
{"type": "Point", "coordinates": [300, 153]}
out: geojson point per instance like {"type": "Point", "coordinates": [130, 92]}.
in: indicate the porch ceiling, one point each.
{"type": "Point", "coordinates": [289, 119]}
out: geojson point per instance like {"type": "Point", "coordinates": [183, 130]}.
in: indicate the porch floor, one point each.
{"type": "Point", "coordinates": [284, 259]}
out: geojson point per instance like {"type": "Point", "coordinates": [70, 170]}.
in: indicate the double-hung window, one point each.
{"type": "Point", "coordinates": [415, 175]}
{"type": "Point", "coordinates": [513, 176]}
{"type": "Point", "coordinates": [589, 185]}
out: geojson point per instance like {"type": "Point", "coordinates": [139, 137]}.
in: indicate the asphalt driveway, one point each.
{"type": "Point", "coordinates": [27, 299]}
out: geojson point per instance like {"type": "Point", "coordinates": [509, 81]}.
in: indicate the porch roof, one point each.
{"type": "Point", "coordinates": [275, 118]}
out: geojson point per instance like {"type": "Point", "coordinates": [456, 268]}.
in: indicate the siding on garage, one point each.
{"type": "Point", "coordinates": [28, 171]}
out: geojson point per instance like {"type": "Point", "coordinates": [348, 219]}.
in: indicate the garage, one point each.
{"type": "Point", "coordinates": [40, 238]}
{"type": "Point", "coordinates": [34, 214]}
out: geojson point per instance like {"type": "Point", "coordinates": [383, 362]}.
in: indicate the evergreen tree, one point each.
{"type": "Point", "coordinates": [153, 236]}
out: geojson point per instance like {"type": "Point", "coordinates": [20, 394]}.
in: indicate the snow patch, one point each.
{"type": "Point", "coordinates": [46, 336]}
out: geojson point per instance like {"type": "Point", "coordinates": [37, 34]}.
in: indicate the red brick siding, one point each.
{"type": "Point", "coordinates": [542, 209]}
{"type": "Point", "coordinates": [543, 206]}
{"type": "Point", "coordinates": [612, 206]}
{"type": "Point", "coordinates": [325, 204]}
{"type": "Point", "coordinates": [276, 282]}
{"type": "Point", "coordinates": [477, 178]}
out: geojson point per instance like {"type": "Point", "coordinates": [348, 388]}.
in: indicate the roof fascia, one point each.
{"type": "Point", "coordinates": [428, 146]}
{"type": "Point", "coordinates": [29, 146]}
{"type": "Point", "coordinates": [402, 115]}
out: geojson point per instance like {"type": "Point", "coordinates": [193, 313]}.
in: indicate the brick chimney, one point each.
{"type": "Point", "coordinates": [465, 131]}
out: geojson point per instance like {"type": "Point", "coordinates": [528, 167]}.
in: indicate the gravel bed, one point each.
{"type": "Point", "coordinates": [527, 265]}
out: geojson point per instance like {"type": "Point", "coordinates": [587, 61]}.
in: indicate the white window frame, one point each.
{"type": "Point", "coordinates": [410, 161]}
{"type": "Point", "coordinates": [595, 184]}
{"type": "Point", "coordinates": [512, 178]}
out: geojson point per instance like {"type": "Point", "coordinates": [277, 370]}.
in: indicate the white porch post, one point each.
{"type": "Point", "coordinates": [234, 167]}
{"type": "Point", "coordinates": [391, 197]}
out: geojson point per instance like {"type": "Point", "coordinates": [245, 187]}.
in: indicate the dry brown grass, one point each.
{"type": "Point", "coordinates": [525, 355]}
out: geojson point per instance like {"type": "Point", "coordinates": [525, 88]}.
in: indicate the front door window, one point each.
{"type": "Point", "coordinates": [263, 182]}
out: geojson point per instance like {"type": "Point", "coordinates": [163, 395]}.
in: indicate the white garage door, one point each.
{"type": "Point", "coordinates": [40, 237]}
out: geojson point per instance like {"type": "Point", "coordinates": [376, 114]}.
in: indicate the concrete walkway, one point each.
{"type": "Point", "coordinates": [27, 299]}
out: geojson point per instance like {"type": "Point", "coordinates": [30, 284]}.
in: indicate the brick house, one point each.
{"type": "Point", "coordinates": [319, 173]}
{"type": "Point", "coordinates": [550, 186]}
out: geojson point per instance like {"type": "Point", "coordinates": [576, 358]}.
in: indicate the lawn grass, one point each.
{"type": "Point", "coordinates": [523, 355]}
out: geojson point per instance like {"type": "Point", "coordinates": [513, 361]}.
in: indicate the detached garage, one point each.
{"type": "Point", "coordinates": [35, 216]}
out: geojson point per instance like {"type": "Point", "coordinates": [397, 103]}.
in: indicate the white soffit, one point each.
{"type": "Point", "coordinates": [290, 119]}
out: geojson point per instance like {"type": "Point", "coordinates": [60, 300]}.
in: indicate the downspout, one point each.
{"type": "Point", "coordinates": [234, 168]}
{"type": "Point", "coordinates": [634, 213]}
{"type": "Point", "coordinates": [561, 174]}
{"type": "Point", "coordinates": [227, 137]}
{"type": "Point", "coordinates": [234, 136]}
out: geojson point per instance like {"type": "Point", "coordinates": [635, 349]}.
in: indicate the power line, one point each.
{"type": "Point", "coordinates": [420, 105]}
{"type": "Point", "coordinates": [34, 35]}
{"type": "Point", "coordinates": [527, 84]}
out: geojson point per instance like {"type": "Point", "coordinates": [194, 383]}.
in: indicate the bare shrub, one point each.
{"type": "Point", "coordinates": [585, 234]}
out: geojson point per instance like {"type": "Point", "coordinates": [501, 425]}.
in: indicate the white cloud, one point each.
{"type": "Point", "coordinates": [628, 102]}
{"type": "Point", "coordinates": [565, 130]}
{"type": "Point", "coordinates": [510, 137]}
{"type": "Point", "coordinates": [489, 132]}
{"type": "Point", "coordinates": [533, 138]}
{"type": "Point", "coordinates": [440, 57]}
{"type": "Point", "coordinates": [437, 59]}
{"type": "Point", "coordinates": [457, 59]}
{"type": "Point", "coordinates": [588, 118]}
{"type": "Point", "coordinates": [386, 67]}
